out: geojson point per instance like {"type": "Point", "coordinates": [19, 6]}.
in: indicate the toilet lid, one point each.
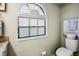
{"type": "Point", "coordinates": [63, 52]}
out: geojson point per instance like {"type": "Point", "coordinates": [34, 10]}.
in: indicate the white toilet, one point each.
{"type": "Point", "coordinates": [71, 46]}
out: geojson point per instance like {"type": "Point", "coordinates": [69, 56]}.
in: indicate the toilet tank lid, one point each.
{"type": "Point", "coordinates": [63, 52]}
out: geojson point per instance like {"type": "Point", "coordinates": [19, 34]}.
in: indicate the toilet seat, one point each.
{"type": "Point", "coordinates": [63, 52]}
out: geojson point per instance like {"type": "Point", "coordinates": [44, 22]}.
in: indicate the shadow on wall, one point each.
{"type": "Point", "coordinates": [11, 51]}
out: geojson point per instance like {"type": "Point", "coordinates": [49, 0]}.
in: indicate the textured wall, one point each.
{"type": "Point", "coordinates": [32, 47]}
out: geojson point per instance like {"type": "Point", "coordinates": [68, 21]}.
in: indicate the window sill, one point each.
{"type": "Point", "coordinates": [31, 38]}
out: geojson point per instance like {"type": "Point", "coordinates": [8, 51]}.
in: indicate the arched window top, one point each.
{"type": "Point", "coordinates": [32, 8]}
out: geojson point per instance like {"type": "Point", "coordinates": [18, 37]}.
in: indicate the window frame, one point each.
{"type": "Point", "coordinates": [43, 16]}
{"type": "Point", "coordinates": [29, 18]}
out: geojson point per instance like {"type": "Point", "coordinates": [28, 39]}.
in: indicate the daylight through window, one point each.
{"type": "Point", "coordinates": [31, 21]}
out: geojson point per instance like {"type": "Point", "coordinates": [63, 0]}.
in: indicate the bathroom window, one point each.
{"type": "Point", "coordinates": [31, 21]}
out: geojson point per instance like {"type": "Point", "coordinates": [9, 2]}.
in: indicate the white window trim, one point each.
{"type": "Point", "coordinates": [31, 38]}
{"type": "Point", "coordinates": [37, 37]}
{"type": "Point", "coordinates": [33, 16]}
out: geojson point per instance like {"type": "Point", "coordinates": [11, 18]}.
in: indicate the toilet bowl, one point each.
{"type": "Point", "coordinates": [64, 52]}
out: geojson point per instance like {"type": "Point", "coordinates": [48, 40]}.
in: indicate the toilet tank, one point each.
{"type": "Point", "coordinates": [72, 44]}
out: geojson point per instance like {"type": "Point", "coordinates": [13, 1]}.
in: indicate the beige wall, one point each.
{"type": "Point", "coordinates": [32, 47]}
{"type": "Point", "coordinates": [68, 11]}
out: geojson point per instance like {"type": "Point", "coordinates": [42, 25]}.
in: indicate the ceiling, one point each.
{"type": "Point", "coordinates": [61, 4]}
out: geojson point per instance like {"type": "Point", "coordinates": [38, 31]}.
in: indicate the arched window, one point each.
{"type": "Point", "coordinates": [31, 21]}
